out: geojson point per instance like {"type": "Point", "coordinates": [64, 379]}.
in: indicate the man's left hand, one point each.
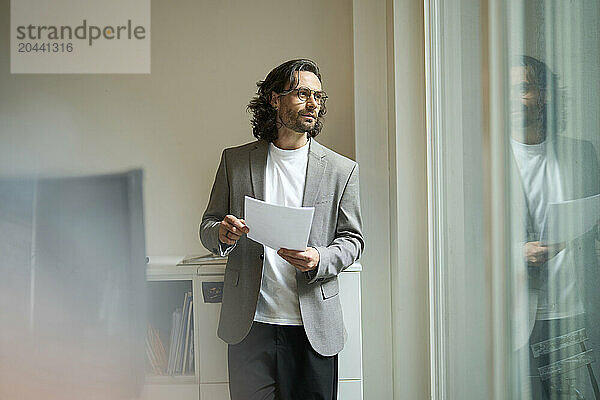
{"type": "Point", "coordinates": [306, 260]}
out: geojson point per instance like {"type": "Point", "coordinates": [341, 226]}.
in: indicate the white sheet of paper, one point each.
{"type": "Point", "coordinates": [567, 220]}
{"type": "Point", "coordinates": [278, 226]}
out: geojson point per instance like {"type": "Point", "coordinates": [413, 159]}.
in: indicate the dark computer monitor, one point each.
{"type": "Point", "coordinates": [72, 284]}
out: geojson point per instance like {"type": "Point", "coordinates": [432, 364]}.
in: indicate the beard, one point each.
{"type": "Point", "coordinates": [296, 122]}
{"type": "Point", "coordinates": [529, 124]}
{"type": "Point", "coordinates": [525, 117]}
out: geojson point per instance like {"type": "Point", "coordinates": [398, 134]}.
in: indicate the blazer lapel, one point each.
{"type": "Point", "coordinates": [314, 173]}
{"type": "Point", "coordinates": [258, 165]}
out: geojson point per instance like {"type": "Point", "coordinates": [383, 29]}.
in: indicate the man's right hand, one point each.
{"type": "Point", "coordinates": [537, 253]}
{"type": "Point", "coordinates": [231, 229]}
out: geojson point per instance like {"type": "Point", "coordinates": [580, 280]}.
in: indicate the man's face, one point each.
{"type": "Point", "coordinates": [526, 99]}
{"type": "Point", "coordinates": [297, 115]}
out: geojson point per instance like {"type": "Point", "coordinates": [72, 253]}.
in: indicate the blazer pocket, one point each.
{"type": "Point", "coordinates": [330, 288]}
{"type": "Point", "coordinates": [232, 277]}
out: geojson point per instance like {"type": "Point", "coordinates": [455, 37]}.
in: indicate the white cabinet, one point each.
{"type": "Point", "coordinates": [209, 380]}
{"type": "Point", "coordinates": [214, 391]}
{"type": "Point", "coordinates": [211, 351]}
{"type": "Point", "coordinates": [350, 390]}
{"type": "Point", "coordinates": [350, 359]}
{"type": "Point", "coordinates": [157, 390]}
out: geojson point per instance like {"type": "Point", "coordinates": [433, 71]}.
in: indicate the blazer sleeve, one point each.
{"type": "Point", "coordinates": [216, 210]}
{"type": "Point", "coordinates": [348, 244]}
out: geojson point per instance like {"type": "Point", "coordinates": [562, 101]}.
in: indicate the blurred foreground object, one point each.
{"type": "Point", "coordinates": [72, 281]}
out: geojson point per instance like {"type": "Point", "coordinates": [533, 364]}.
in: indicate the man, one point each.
{"type": "Point", "coordinates": [281, 313]}
{"type": "Point", "coordinates": [551, 168]}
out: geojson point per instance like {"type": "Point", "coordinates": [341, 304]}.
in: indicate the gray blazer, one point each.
{"type": "Point", "coordinates": [332, 188]}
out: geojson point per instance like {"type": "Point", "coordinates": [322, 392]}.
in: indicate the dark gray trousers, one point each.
{"type": "Point", "coordinates": [577, 384]}
{"type": "Point", "coordinates": [277, 362]}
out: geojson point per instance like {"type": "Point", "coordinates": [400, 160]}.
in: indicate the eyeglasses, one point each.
{"type": "Point", "coordinates": [305, 93]}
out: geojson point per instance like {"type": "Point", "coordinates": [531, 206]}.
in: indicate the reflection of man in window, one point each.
{"type": "Point", "coordinates": [553, 168]}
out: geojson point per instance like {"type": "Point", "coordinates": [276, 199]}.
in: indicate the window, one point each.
{"type": "Point", "coordinates": [513, 126]}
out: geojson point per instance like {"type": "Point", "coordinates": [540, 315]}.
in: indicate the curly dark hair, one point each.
{"type": "Point", "coordinates": [264, 125]}
{"type": "Point", "coordinates": [551, 95]}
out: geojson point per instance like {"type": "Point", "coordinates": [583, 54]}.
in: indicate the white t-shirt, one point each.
{"type": "Point", "coordinates": [559, 293]}
{"type": "Point", "coordinates": [285, 177]}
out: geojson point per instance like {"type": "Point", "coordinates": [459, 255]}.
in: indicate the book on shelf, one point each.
{"type": "Point", "coordinates": [155, 352]}
{"type": "Point", "coordinates": [190, 366]}
{"type": "Point", "coordinates": [175, 323]}
{"type": "Point", "coordinates": [188, 336]}
{"type": "Point", "coordinates": [181, 334]}
{"type": "Point", "coordinates": [181, 354]}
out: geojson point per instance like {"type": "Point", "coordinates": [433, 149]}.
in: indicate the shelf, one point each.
{"type": "Point", "coordinates": [164, 297]}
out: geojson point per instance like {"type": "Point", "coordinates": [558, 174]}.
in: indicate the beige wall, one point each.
{"type": "Point", "coordinates": [173, 123]}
